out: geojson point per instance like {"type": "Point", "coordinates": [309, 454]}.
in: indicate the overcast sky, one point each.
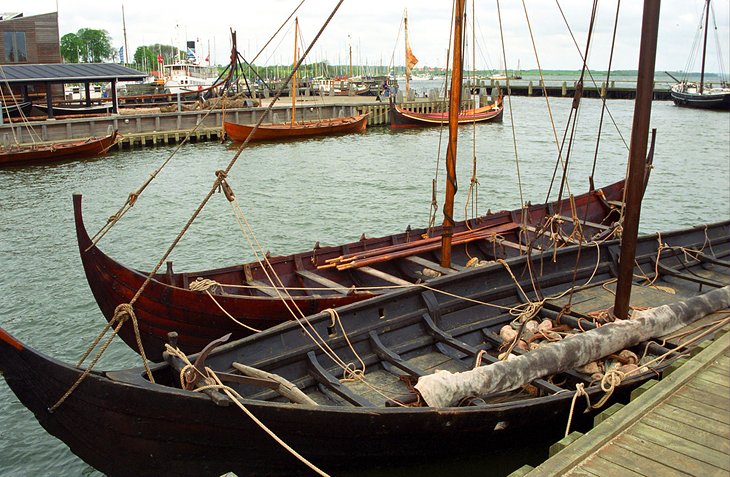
{"type": "Point", "coordinates": [372, 28]}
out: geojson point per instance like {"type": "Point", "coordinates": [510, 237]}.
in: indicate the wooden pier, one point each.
{"type": "Point", "coordinates": [147, 128]}
{"type": "Point", "coordinates": [674, 427]}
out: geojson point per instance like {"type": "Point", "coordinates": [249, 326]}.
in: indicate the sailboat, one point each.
{"type": "Point", "coordinates": [699, 95]}
{"type": "Point", "coordinates": [57, 151]}
{"type": "Point", "coordinates": [321, 127]}
{"type": "Point", "coordinates": [405, 118]}
{"type": "Point", "coordinates": [45, 152]}
{"type": "Point", "coordinates": [242, 299]}
{"type": "Point", "coordinates": [339, 384]}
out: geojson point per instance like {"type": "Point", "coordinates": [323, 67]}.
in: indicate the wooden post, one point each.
{"type": "Point", "coordinates": [637, 156]}
{"type": "Point", "coordinates": [49, 100]}
{"type": "Point", "coordinates": [115, 99]}
{"type": "Point", "coordinates": [454, 103]}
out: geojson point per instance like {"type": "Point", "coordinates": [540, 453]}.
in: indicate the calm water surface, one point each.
{"type": "Point", "coordinates": [329, 190]}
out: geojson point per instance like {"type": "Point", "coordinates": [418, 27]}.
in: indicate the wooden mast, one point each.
{"type": "Point", "coordinates": [407, 72]}
{"type": "Point", "coordinates": [704, 46]}
{"type": "Point", "coordinates": [454, 104]}
{"type": "Point", "coordinates": [294, 77]}
{"type": "Point", "coordinates": [637, 156]}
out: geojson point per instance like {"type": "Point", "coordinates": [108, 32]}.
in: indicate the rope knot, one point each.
{"type": "Point", "coordinates": [204, 284]}
{"type": "Point", "coordinates": [123, 312]}
{"type": "Point", "coordinates": [224, 186]}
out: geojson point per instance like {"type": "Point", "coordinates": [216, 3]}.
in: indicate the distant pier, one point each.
{"type": "Point", "coordinates": [148, 128]}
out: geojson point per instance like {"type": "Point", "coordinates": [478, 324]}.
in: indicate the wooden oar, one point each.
{"type": "Point", "coordinates": [415, 243]}
{"type": "Point", "coordinates": [426, 247]}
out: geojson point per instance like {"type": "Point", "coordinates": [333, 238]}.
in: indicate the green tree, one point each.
{"type": "Point", "coordinates": [70, 47]}
{"type": "Point", "coordinates": [86, 46]}
{"type": "Point", "coordinates": [96, 45]}
{"type": "Point", "coordinates": [145, 57]}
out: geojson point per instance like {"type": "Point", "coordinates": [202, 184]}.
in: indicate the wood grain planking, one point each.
{"type": "Point", "coordinates": [703, 437]}
{"type": "Point", "coordinates": [640, 456]}
{"type": "Point", "coordinates": [682, 448]}
{"type": "Point", "coordinates": [701, 396]}
{"type": "Point", "coordinates": [716, 392]}
{"type": "Point", "coordinates": [693, 407]}
{"type": "Point", "coordinates": [656, 459]}
{"type": "Point", "coordinates": [694, 420]}
{"type": "Point", "coordinates": [598, 466]}
{"type": "Point", "coordinates": [716, 377]}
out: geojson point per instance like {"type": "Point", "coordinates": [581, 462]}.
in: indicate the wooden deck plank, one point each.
{"type": "Point", "coordinates": [715, 377]}
{"type": "Point", "coordinates": [695, 407]}
{"type": "Point", "coordinates": [694, 420]}
{"type": "Point", "coordinates": [681, 447]}
{"type": "Point", "coordinates": [715, 391]}
{"type": "Point", "coordinates": [702, 397]}
{"type": "Point", "coordinates": [420, 261]}
{"type": "Point", "coordinates": [654, 459]}
{"type": "Point", "coordinates": [643, 457]}
{"type": "Point", "coordinates": [626, 425]}
{"type": "Point", "coordinates": [265, 288]}
{"type": "Point", "coordinates": [387, 277]}
{"type": "Point", "coordinates": [325, 282]}
{"type": "Point", "coordinates": [705, 438]}
{"type": "Point", "coordinates": [600, 466]}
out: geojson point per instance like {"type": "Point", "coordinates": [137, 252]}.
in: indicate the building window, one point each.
{"type": "Point", "coordinates": [15, 51]}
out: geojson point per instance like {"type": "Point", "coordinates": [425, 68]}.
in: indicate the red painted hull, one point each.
{"type": "Point", "coordinates": [168, 304]}
{"type": "Point", "coordinates": [404, 118]}
{"type": "Point", "coordinates": [273, 132]}
{"type": "Point", "coordinates": [91, 147]}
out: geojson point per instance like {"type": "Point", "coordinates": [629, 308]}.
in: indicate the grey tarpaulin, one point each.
{"type": "Point", "coordinates": [443, 388]}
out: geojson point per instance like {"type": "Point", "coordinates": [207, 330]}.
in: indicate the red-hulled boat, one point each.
{"type": "Point", "coordinates": [405, 118]}
{"type": "Point", "coordinates": [273, 132]}
{"type": "Point", "coordinates": [243, 291]}
{"type": "Point", "coordinates": [44, 153]}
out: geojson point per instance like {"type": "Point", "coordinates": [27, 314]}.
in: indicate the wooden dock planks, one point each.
{"type": "Point", "coordinates": [678, 427]}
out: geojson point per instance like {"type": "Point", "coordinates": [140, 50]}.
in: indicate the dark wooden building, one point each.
{"type": "Point", "coordinates": [31, 39]}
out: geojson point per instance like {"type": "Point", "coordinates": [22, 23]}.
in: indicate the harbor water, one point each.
{"type": "Point", "coordinates": [330, 190]}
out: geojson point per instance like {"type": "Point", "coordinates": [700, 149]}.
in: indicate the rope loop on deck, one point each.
{"type": "Point", "coordinates": [579, 391]}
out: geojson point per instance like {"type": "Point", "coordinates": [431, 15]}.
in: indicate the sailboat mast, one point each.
{"type": "Point", "coordinates": [407, 72]}
{"type": "Point", "coordinates": [704, 46]}
{"type": "Point", "coordinates": [637, 156]}
{"type": "Point", "coordinates": [126, 48]}
{"type": "Point", "coordinates": [454, 104]}
{"type": "Point", "coordinates": [294, 77]}
{"type": "Point", "coordinates": [350, 58]}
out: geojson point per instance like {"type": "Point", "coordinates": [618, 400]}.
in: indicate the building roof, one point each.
{"type": "Point", "coordinates": [68, 73]}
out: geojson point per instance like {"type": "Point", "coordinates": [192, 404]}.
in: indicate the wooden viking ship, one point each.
{"type": "Point", "coordinates": [405, 118]}
{"type": "Point", "coordinates": [326, 277]}
{"type": "Point", "coordinates": [294, 129]}
{"type": "Point", "coordinates": [340, 383]}
{"type": "Point", "coordinates": [121, 423]}
{"type": "Point", "coordinates": [45, 153]}
{"type": "Point", "coordinates": [275, 132]}
{"type": "Point", "coordinates": [240, 299]}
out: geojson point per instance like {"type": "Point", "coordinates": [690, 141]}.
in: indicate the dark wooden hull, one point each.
{"type": "Point", "coordinates": [702, 101]}
{"type": "Point", "coordinates": [274, 132]}
{"type": "Point", "coordinates": [168, 304]}
{"type": "Point", "coordinates": [404, 118]}
{"type": "Point", "coordinates": [46, 153]}
{"type": "Point", "coordinates": [15, 109]}
{"type": "Point", "coordinates": [98, 109]}
{"type": "Point", "coordinates": [122, 424]}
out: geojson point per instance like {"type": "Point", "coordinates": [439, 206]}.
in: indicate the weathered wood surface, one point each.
{"type": "Point", "coordinates": [679, 427]}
